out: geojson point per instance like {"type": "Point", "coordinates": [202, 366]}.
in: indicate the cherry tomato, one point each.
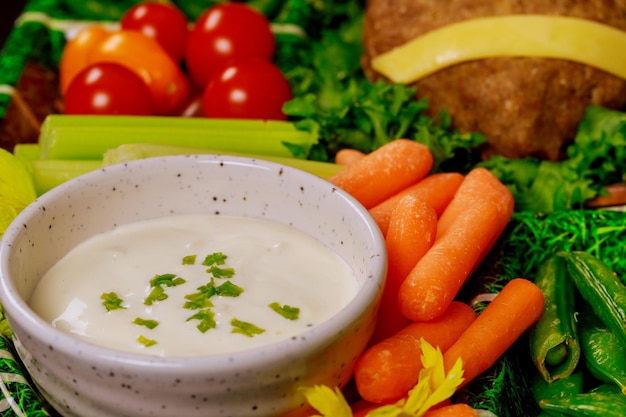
{"type": "Point", "coordinates": [167, 83]}
{"type": "Point", "coordinates": [223, 32]}
{"type": "Point", "coordinates": [161, 21]}
{"type": "Point", "coordinates": [248, 88]}
{"type": "Point", "coordinates": [75, 55]}
{"type": "Point", "coordinates": [108, 88]}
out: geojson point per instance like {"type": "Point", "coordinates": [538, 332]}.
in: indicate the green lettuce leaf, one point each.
{"type": "Point", "coordinates": [595, 159]}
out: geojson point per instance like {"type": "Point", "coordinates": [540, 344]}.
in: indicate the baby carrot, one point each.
{"type": "Point", "coordinates": [385, 171]}
{"type": "Point", "coordinates": [387, 370]}
{"type": "Point", "coordinates": [452, 410]}
{"type": "Point", "coordinates": [518, 305]}
{"type": "Point", "coordinates": [412, 231]}
{"type": "Point", "coordinates": [436, 279]}
{"type": "Point", "coordinates": [479, 183]}
{"type": "Point", "coordinates": [348, 156]}
{"type": "Point", "coordinates": [436, 190]}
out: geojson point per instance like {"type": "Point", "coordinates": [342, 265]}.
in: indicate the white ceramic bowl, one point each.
{"type": "Point", "coordinates": [83, 379]}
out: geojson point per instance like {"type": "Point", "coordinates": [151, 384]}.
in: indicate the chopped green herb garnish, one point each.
{"type": "Point", "coordinates": [245, 328]}
{"type": "Point", "coordinates": [146, 342]}
{"type": "Point", "coordinates": [217, 258]}
{"type": "Point", "coordinates": [207, 319]}
{"type": "Point", "coordinates": [200, 299]}
{"type": "Point", "coordinates": [221, 272]}
{"type": "Point", "coordinates": [156, 294]}
{"type": "Point", "coordinates": [111, 301]}
{"type": "Point", "coordinates": [169, 280]}
{"type": "Point", "coordinates": [189, 260]}
{"type": "Point", "coordinates": [228, 289]}
{"type": "Point", "coordinates": [288, 312]}
{"type": "Point", "coordinates": [150, 324]}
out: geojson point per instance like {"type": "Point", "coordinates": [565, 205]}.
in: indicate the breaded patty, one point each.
{"type": "Point", "coordinates": [524, 106]}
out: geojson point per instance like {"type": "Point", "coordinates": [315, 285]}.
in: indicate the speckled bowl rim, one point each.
{"type": "Point", "coordinates": [325, 333]}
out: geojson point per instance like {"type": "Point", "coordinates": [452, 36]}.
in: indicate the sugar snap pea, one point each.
{"type": "Point", "coordinates": [560, 388]}
{"type": "Point", "coordinates": [597, 404]}
{"type": "Point", "coordinates": [604, 356]}
{"type": "Point", "coordinates": [601, 288]}
{"type": "Point", "coordinates": [554, 346]}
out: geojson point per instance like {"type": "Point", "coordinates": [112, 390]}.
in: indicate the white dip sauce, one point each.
{"type": "Point", "coordinates": [272, 263]}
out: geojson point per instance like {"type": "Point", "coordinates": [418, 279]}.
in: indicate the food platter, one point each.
{"type": "Point", "coordinates": [29, 94]}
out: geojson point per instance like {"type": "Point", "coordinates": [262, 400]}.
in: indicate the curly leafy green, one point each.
{"type": "Point", "coordinates": [596, 158]}
{"type": "Point", "coordinates": [334, 98]}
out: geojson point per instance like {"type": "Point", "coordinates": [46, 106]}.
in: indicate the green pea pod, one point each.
{"type": "Point", "coordinates": [561, 388]}
{"type": "Point", "coordinates": [601, 288]}
{"type": "Point", "coordinates": [597, 404]}
{"type": "Point", "coordinates": [611, 388]}
{"type": "Point", "coordinates": [554, 346]}
{"type": "Point", "coordinates": [17, 396]}
{"type": "Point", "coordinates": [604, 355]}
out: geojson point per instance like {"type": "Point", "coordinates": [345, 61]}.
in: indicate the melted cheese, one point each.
{"type": "Point", "coordinates": [568, 38]}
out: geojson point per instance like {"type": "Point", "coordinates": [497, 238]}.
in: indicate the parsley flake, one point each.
{"type": "Point", "coordinates": [228, 289]}
{"type": "Point", "coordinates": [111, 301]}
{"type": "Point", "coordinates": [221, 272]}
{"type": "Point", "coordinates": [156, 294]}
{"type": "Point", "coordinates": [200, 299]}
{"type": "Point", "coordinates": [189, 260]}
{"type": "Point", "coordinates": [207, 319]}
{"type": "Point", "coordinates": [145, 341]}
{"type": "Point", "coordinates": [216, 258]}
{"type": "Point", "coordinates": [150, 324]}
{"type": "Point", "coordinates": [169, 280]}
{"type": "Point", "coordinates": [288, 312]}
{"type": "Point", "coordinates": [245, 328]}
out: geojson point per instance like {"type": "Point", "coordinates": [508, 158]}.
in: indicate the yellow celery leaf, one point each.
{"type": "Point", "coordinates": [331, 403]}
{"type": "Point", "coordinates": [433, 386]}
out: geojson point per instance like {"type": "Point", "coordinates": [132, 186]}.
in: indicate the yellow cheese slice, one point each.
{"type": "Point", "coordinates": [568, 38]}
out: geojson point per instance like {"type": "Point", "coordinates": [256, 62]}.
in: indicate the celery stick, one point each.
{"type": "Point", "coordinates": [47, 174]}
{"type": "Point", "coordinates": [28, 151]}
{"type": "Point", "coordinates": [129, 152]}
{"type": "Point", "coordinates": [88, 137]}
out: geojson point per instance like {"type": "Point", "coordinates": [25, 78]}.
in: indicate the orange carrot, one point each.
{"type": "Point", "coordinates": [361, 408]}
{"type": "Point", "coordinates": [480, 211]}
{"type": "Point", "coordinates": [479, 183]}
{"type": "Point", "coordinates": [348, 156]}
{"type": "Point", "coordinates": [412, 231]}
{"type": "Point", "coordinates": [436, 279]}
{"type": "Point", "coordinates": [388, 370]}
{"type": "Point", "coordinates": [518, 305]}
{"type": "Point", "coordinates": [436, 190]}
{"type": "Point", "coordinates": [453, 410]}
{"type": "Point", "coordinates": [385, 171]}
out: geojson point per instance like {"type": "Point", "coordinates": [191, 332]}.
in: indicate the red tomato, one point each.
{"type": "Point", "coordinates": [223, 32]}
{"type": "Point", "coordinates": [108, 88]}
{"type": "Point", "coordinates": [161, 21]}
{"type": "Point", "coordinates": [248, 88]}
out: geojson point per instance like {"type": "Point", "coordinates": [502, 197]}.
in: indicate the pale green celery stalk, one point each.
{"type": "Point", "coordinates": [88, 137]}
{"type": "Point", "coordinates": [47, 173]}
{"type": "Point", "coordinates": [27, 151]}
{"type": "Point", "coordinates": [129, 152]}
